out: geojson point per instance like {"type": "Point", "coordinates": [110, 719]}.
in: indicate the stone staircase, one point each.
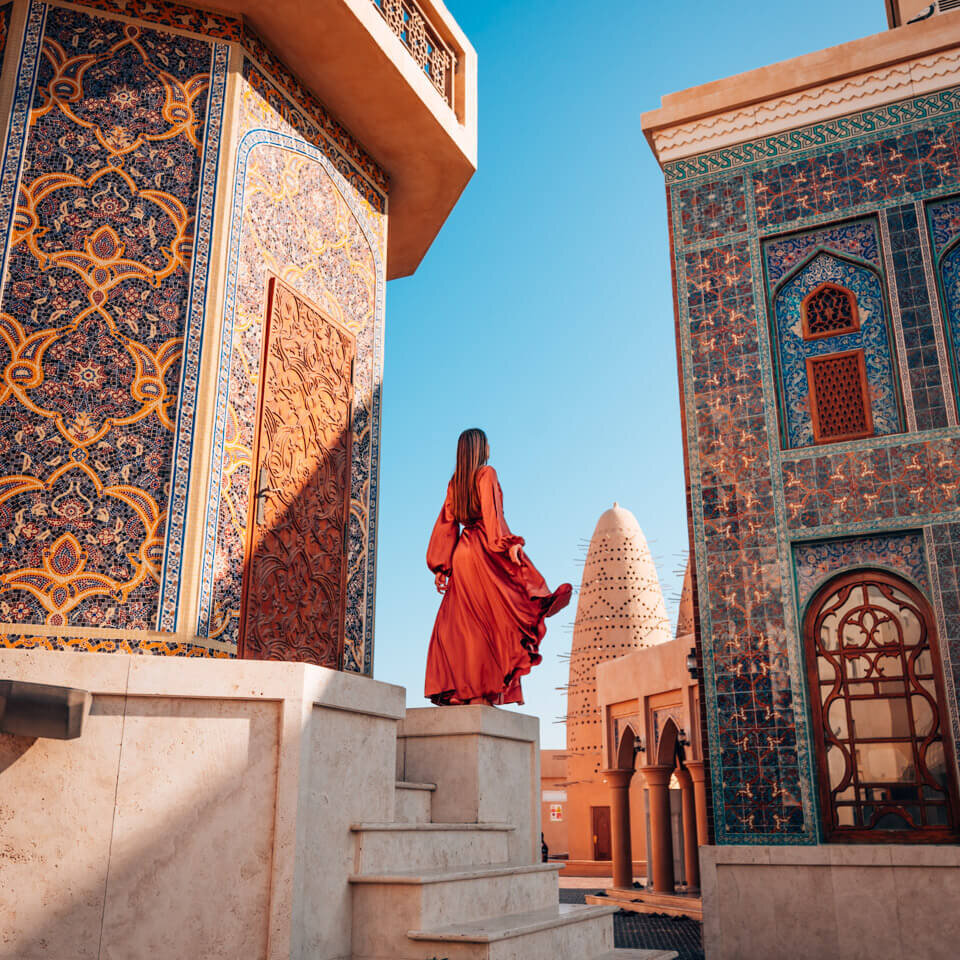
{"type": "Point", "coordinates": [447, 880]}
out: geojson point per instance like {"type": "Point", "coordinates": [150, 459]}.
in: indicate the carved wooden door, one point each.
{"type": "Point", "coordinates": [295, 574]}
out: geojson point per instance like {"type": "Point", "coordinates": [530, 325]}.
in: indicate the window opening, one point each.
{"type": "Point", "coordinates": [829, 311]}
{"type": "Point", "coordinates": [839, 396]}
{"type": "Point", "coordinates": [876, 687]}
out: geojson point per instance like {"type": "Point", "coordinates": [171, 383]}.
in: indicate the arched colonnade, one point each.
{"type": "Point", "coordinates": [669, 760]}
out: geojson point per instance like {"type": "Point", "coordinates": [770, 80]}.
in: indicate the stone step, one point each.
{"type": "Point", "coordinates": [386, 906]}
{"type": "Point", "coordinates": [390, 847]}
{"type": "Point", "coordinates": [564, 932]}
{"type": "Point", "coordinates": [414, 801]}
{"type": "Point", "coordinates": [627, 954]}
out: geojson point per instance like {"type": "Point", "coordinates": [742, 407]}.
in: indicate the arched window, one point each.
{"type": "Point", "coordinates": [828, 311]}
{"type": "Point", "coordinates": [886, 764]}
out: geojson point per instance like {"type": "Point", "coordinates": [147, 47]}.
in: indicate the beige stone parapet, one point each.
{"type": "Point", "coordinates": [485, 763]}
{"type": "Point", "coordinates": [835, 900]}
{"type": "Point", "coordinates": [220, 793]}
{"type": "Point", "coordinates": [908, 61]}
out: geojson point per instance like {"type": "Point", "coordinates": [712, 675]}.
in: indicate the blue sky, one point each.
{"type": "Point", "coordinates": [543, 311]}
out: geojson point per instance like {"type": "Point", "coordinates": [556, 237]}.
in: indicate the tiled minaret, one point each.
{"type": "Point", "coordinates": [620, 609]}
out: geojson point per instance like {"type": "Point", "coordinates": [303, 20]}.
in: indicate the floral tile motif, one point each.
{"type": "Point", "coordinates": [221, 26]}
{"type": "Point", "coordinates": [819, 266]}
{"type": "Point", "coordinates": [817, 561]}
{"type": "Point", "coordinates": [295, 216]}
{"type": "Point", "coordinates": [101, 293]}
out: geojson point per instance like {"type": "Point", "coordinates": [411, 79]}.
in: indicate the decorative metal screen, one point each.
{"type": "Point", "coordinates": [829, 311]}
{"type": "Point", "coordinates": [839, 395]}
{"type": "Point", "coordinates": [877, 694]}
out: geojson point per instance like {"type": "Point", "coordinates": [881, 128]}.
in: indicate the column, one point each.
{"type": "Point", "coordinates": [619, 781]}
{"type": "Point", "coordinates": [661, 843]}
{"type": "Point", "coordinates": [697, 774]}
{"type": "Point", "coordinates": [691, 848]}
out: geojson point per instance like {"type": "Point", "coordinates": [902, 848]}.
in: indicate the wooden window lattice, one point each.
{"type": "Point", "coordinates": [839, 396]}
{"type": "Point", "coordinates": [829, 311]}
{"type": "Point", "coordinates": [884, 754]}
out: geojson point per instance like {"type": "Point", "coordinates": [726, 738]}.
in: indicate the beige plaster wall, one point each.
{"type": "Point", "coordinates": [553, 781]}
{"type": "Point", "coordinates": [875, 902]}
{"type": "Point", "coordinates": [204, 812]}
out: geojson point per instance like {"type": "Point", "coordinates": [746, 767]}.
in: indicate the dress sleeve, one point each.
{"type": "Point", "coordinates": [496, 533]}
{"type": "Point", "coordinates": [443, 540]}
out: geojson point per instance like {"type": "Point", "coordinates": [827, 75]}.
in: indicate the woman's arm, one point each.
{"type": "Point", "coordinates": [496, 533]}
{"type": "Point", "coordinates": [443, 541]}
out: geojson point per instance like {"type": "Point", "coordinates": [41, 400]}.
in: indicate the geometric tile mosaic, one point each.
{"type": "Point", "coordinates": [838, 199]}
{"type": "Point", "coordinates": [921, 333]}
{"type": "Point", "coordinates": [944, 222]}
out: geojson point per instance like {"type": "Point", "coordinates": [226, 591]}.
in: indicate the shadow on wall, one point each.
{"type": "Point", "coordinates": [150, 836]}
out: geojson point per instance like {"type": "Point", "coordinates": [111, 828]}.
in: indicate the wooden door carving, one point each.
{"type": "Point", "coordinates": [295, 572]}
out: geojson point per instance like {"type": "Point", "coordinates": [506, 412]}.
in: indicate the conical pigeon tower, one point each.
{"type": "Point", "coordinates": [620, 609]}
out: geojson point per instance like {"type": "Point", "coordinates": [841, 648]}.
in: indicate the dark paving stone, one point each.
{"type": "Point", "coordinates": [650, 930]}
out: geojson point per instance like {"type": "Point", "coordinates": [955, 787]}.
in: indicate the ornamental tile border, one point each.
{"type": "Point", "coordinates": [849, 129]}
{"type": "Point", "coordinates": [16, 140]}
{"type": "Point", "coordinates": [167, 612]}
{"type": "Point", "coordinates": [939, 322]}
{"type": "Point", "coordinates": [906, 393]}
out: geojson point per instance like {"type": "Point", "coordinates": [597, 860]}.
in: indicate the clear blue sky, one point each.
{"type": "Point", "coordinates": [543, 312]}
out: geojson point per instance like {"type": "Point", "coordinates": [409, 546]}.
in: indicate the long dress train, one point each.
{"type": "Point", "coordinates": [491, 621]}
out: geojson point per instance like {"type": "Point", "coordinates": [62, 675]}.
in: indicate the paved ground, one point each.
{"type": "Point", "coordinates": [650, 930]}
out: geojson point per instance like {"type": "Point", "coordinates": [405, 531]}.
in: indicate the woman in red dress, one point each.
{"type": "Point", "coordinates": [490, 623]}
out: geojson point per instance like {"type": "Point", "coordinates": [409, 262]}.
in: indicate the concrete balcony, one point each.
{"type": "Point", "coordinates": [415, 113]}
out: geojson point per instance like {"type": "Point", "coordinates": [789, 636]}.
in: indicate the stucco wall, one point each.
{"type": "Point", "coordinates": [204, 811]}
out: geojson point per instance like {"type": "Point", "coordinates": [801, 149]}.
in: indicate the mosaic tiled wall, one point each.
{"type": "Point", "coordinates": [871, 201]}
{"type": "Point", "coordinates": [294, 215]}
{"type": "Point", "coordinates": [108, 181]}
{"type": "Point", "coordinates": [112, 145]}
{"type": "Point", "coordinates": [848, 256]}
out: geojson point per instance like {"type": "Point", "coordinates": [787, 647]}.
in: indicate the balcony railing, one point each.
{"type": "Point", "coordinates": [433, 56]}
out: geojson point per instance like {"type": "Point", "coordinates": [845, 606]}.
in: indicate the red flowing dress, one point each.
{"type": "Point", "coordinates": [490, 623]}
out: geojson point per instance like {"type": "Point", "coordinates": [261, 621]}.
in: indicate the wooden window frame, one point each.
{"type": "Point", "coordinates": [836, 834]}
{"type": "Point", "coordinates": [818, 436]}
{"type": "Point", "coordinates": [854, 325]}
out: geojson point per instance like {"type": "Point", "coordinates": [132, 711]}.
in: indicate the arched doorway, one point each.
{"type": "Point", "coordinates": [886, 763]}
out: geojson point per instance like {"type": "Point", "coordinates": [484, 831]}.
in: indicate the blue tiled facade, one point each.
{"type": "Point", "coordinates": [872, 202]}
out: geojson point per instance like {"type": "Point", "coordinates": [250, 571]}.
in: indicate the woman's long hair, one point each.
{"type": "Point", "coordinates": [473, 451]}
